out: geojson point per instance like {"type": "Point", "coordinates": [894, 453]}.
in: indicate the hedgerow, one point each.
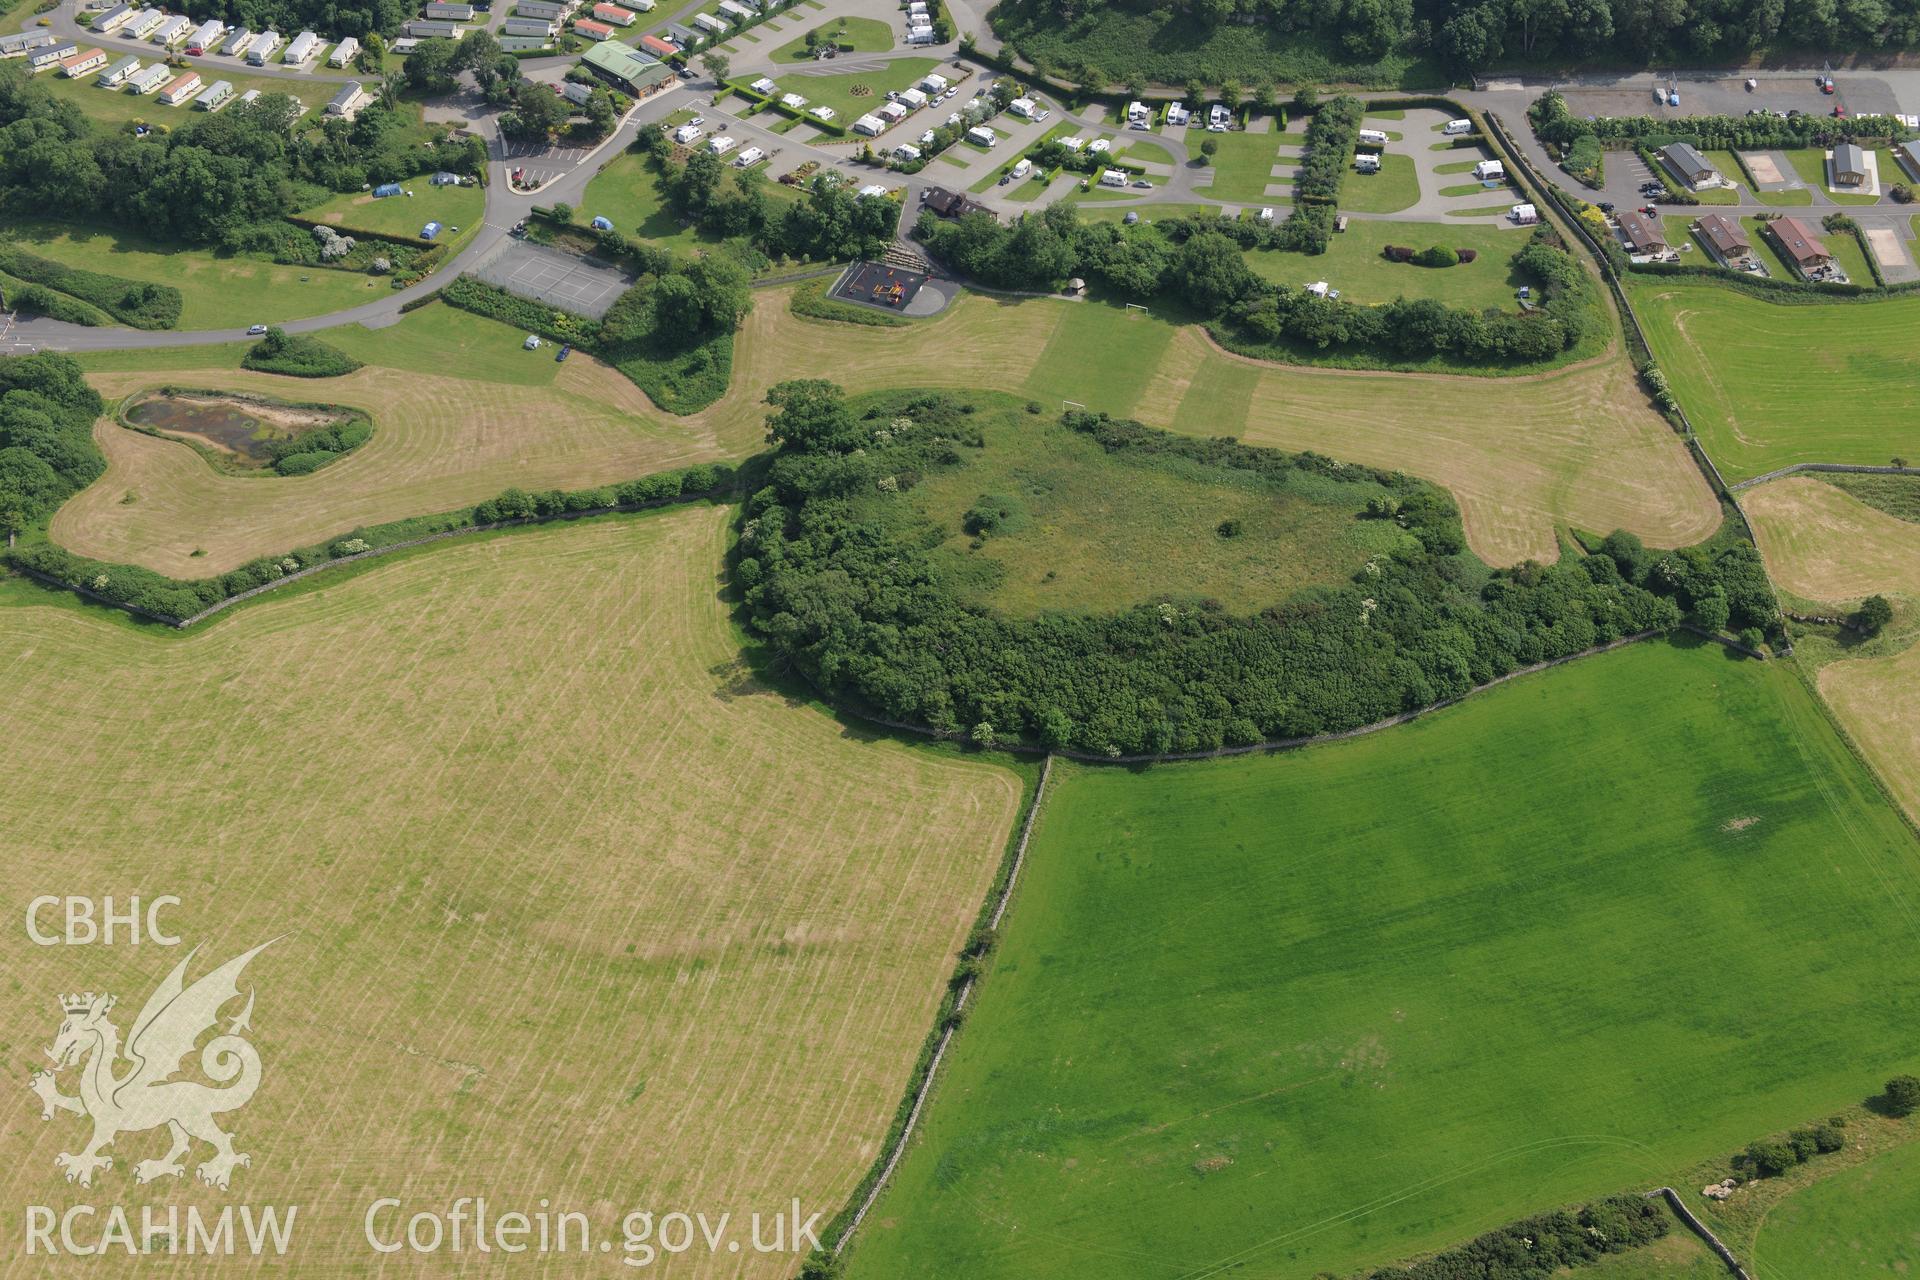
{"type": "Point", "coordinates": [132, 302]}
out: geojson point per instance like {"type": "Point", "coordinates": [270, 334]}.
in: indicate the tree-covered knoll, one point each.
{"type": "Point", "coordinates": [47, 452]}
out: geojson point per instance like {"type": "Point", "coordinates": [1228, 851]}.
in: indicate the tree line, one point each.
{"type": "Point", "coordinates": [838, 578]}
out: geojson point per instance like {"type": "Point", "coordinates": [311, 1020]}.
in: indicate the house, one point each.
{"type": "Point", "coordinates": [659, 48]}
{"type": "Point", "coordinates": [735, 12]}
{"type": "Point", "coordinates": [117, 74]}
{"type": "Point", "coordinates": [1725, 240]}
{"type": "Point", "coordinates": [82, 63]}
{"type": "Point", "coordinates": [1178, 115]}
{"type": "Point", "coordinates": [345, 52]}
{"type": "Point", "coordinates": [764, 86]}
{"type": "Point", "coordinates": [1366, 162]}
{"type": "Point", "coordinates": [447, 12]}
{"type": "Point", "coordinates": [823, 114]}
{"type": "Point", "coordinates": [113, 18]}
{"type": "Point", "coordinates": [301, 51]}
{"type": "Point", "coordinates": [1218, 118]}
{"type": "Point", "coordinates": [907, 152]}
{"type": "Point", "coordinates": [1641, 234]}
{"type": "Point", "coordinates": [581, 27]}
{"type": "Point", "coordinates": [1800, 245]}
{"type": "Point", "coordinates": [983, 136]}
{"type": "Point", "coordinates": [180, 89]}
{"type": "Point", "coordinates": [1027, 109]}
{"type": "Point", "coordinates": [792, 101]}
{"type": "Point", "coordinates": [951, 204]}
{"type": "Point", "coordinates": [430, 30]}
{"type": "Point", "coordinates": [721, 145]}
{"type": "Point", "coordinates": [1524, 215]}
{"type": "Point", "coordinates": [172, 31]}
{"type": "Point", "coordinates": [1849, 166]}
{"type": "Point", "coordinates": [891, 112]}
{"type": "Point", "coordinates": [869, 126]}
{"type": "Point", "coordinates": [1490, 171]}
{"type": "Point", "coordinates": [541, 28]}
{"type": "Point", "coordinates": [934, 83]}
{"type": "Point", "coordinates": [205, 36]}
{"type": "Point", "coordinates": [47, 57]}
{"type": "Point", "coordinates": [148, 79]}
{"type": "Point", "coordinates": [1112, 178]}
{"type": "Point", "coordinates": [578, 94]}
{"type": "Point", "coordinates": [627, 67]}
{"type": "Point", "coordinates": [261, 47]}
{"type": "Point", "coordinates": [750, 157]}
{"type": "Point", "coordinates": [237, 40]}
{"type": "Point", "coordinates": [1685, 162]}
{"type": "Point", "coordinates": [347, 102]}
{"type": "Point", "coordinates": [1908, 154]}
{"type": "Point", "coordinates": [20, 44]}
{"type": "Point", "coordinates": [143, 24]}
{"type": "Point", "coordinates": [707, 22]}
{"type": "Point", "coordinates": [215, 96]}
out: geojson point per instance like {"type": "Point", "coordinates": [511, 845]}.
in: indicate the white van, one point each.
{"type": "Point", "coordinates": [1022, 169]}
{"type": "Point", "coordinates": [1454, 128]}
{"type": "Point", "coordinates": [1113, 178]}
{"type": "Point", "coordinates": [1488, 170]}
{"type": "Point", "coordinates": [1373, 137]}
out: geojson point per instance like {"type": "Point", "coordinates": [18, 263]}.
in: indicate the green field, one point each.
{"type": "Point", "coordinates": [1094, 531]}
{"type": "Point", "coordinates": [1811, 164]}
{"type": "Point", "coordinates": [403, 215]}
{"type": "Point", "coordinates": [115, 107]}
{"type": "Point", "coordinates": [1144, 152]}
{"type": "Point", "coordinates": [1323, 1010]}
{"type": "Point", "coordinates": [837, 91]}
{"type": "Point", "coordinates": [860, 35]}
{"type": "Point", "coordinates": [1859, 1223]}
{"type": "Point", "coordinates": [1107, 354]}
{"type": "Point", "coordinates": [220, 291]}
{"type": "Point", "coordinates": [1767, 385]}
{"type": "Point", "coordinates": [627, 192]}
{"type": "Point", "coordinates": [1243, 166]}
{"type": "Point", "coordinates": [1353, 264]}
{"type": "Point", "coordinates": [1395, 187]}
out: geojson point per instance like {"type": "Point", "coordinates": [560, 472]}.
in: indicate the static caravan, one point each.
{"type": "Point", "coordinates": [530, 27]}
{"type": "Point", "coordinates": [346, 51]}
{"type": "Point", "coordinates": [449, 12]}
{"type": "Point", "coordinates": [47, 57]}
{"type": "Point", "coordinates": [578, 94]}
{"type": "Point", "coordinates": [237, 41]}
{"type": "Point", "coordinates": [116, 75]}
{"type": "Point", "coordinates": [433, 30]}
{"type": "Point", "coordinates": [81, 64]}
{"type": "Point", "coordinates": [205, 36]}
{"type": "Point", "coordinates": [736, 12]}
{"type": "Point", "coordinates": [172, 31]}
{"type": "Point", "coordinates": [180, 89]}
{"type": "Point", "coordinates": [301, 51]}
{"type": "Point", "coordinates": [20, 44]}
{"type": "Point", "coordinates": [144, 23]}
{"type": "Point", "coordinates": [707, 22]}
{"type": "Point", "coordinates": [214, 96]}
{"type": "Point", "coordinates": [147, 79]}
{"type": "Point", "coordinates": [113, 19]}
{"type": "Point", "coordinates": [586, 27]}
{"type": "Point", "coordinates": [262, 47]}
{"type": "Point", "coordinates": [640, 6]}
{"type": "Point", "coordinates": [523, 44]}
{"type": "Point", "coordinates": [348, 100]}
{"type": "Point", "coordinates": [551, 10]}
{"type": "Point", "coordinates": [249, 96]}
{"type": "Point", "coordinates": [657, 47]}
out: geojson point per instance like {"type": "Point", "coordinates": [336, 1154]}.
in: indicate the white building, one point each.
{"type": "Point", "coordinates": [117, 74]}
{"type": "Point", "coordinates": [906, 151]}
{"type": "Point", "coordinates": [764, 86]}
{"type": "Point", "coordinates": [1099, 146]}
{"type": "Point", "coordinates": [920, 35]}
{"type": "Point", "coordinates": [934, 83]}
{"type": "Point", "coordinates": [1072, 144]}
{"type": "Point", "coordinates": [237, 40]}
{"type": "Point", "coordinates": [871, 126]}
{"type": "Point", "coordinates": [205, 36]}
{"type": "Point", "coordinates": [262, 47]}
{"type": "Point", "coordinates": [251, 95]}
{"type": "Point", "coordinates": [538, 28]}
{"type": "Point", "coordinates": [301, 51]}
{"type": "Point", "coordinates": [735, 12]}
{"type": "Point", "coordinates": [823, 113]}
{"type": "Point", "coordinates": [911, 99]}
{"type": "Point", "coordinates": [873, 190]}
{"type": "Point", "coordinates": [346, 51]}
{"type": "Point", "coordinates": [144, 23]}
{"type": "Point", "coordinates": [792, 101]}
{"type": "Point", "coordinates": [147, 79]}
{"type": "Point", "coordinates": [891, 112]}
{"type": "Point", "coordinates": [113, 19]}
{"type": "Point", "coordinates": [707, 22]}
{"type": "Point", "coordinates": [687, 134]}
{"type": "Point", "coordinates": [348, 101]}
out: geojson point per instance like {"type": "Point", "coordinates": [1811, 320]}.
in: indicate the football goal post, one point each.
{"type": "Point", "coordinates": [1071, 404]}
{"type": "Point", "coordinates": [1135, 306]}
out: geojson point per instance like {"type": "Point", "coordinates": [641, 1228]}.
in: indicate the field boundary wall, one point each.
{"type": "Point", "coordinates": [1701, 1229]}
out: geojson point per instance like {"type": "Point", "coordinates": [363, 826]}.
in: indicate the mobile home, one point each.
{"type": "Point", "coordinates": [47, 57]}
{"type": "Point", "coordinates": [590, 29]}
{"type": "Point", "coordinates": [528, 27]}
{"type": "Point", "coordinates": [707, 22]}
{"type": "Point", "coordinates": [113, 19]}
{"type": "Point", "coordinates": [147, 79]}
{"type": "Point", "coordinates": [237, 41]}
{"type": "Point", "coordinates": [214, 96]}
{"type": "Point", "coordinates": [302, 49]}
{"type": "Point", "coordinates": [116, 75]}
{"type": "Point", "coordinates": [348, 100]}
{"type": "Point", "coordinates": [22, 43]}
{"type": "Point", "coordinates": [735, 12]}
{"type": "Point", "coordinates": [262, 47]}
{"type": "Point", "coordinates": [614, 14]}
{"type": "Point", "coordinates": [144, 23]}
{"type": "Point", "coordinates": [433, 30]}
{"type": "Point", "coordinates": [346, 51]}
{"type": "Point", "coordinates": [205, 36]}
{"type": "Point", "coordinates": [449, 12]}
{"type": "Point", "coordinates": [180, 89]}
{"type": "Point", "coordinates": [82, 63]}
{"type": "Point", "coordinates": [172, 31]}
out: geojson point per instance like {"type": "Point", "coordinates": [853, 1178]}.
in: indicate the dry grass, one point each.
{"type": "Point", "coordinates": [622, 929]}
{"type": "Point", "coordinates": [1824, 544]}
{"type": "Point", "coordinates": [1580, 446]}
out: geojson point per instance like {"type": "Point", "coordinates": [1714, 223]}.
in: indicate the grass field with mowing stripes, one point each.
{"type": "Point", "coordinates": [1329, 1009]}
{"type": "Point", "coordinates": [1768, 385]}
{"type": "Point", "coordinates": [625, 929]}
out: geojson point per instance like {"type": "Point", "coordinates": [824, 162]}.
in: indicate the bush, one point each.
{"type": "Point", "coordinates": [1903, 1095]}
{"type": "Point", "coordinates": [38, 300]}
{"type": "Point", "coordinates": [1437, 256]}
{"type": "Point", "coordinates": [131, 302]}
{"type": "Point", "coordinates": [299, 357]}
{"type": "Point", "coordinates": [1873, 615]}
{"type": "Point", "coordinates": [1772, 1157]}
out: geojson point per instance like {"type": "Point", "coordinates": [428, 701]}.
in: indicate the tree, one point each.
{"type": "Point", "coordinates": [1903, 1095]}
{"type": "Point", "coordinates": [1772, 1158]}
{"type": "Point", "coordinates": [1209, 147]}
{"type": "Point", "coordinates": [717, 65]}
{"type": "Point", "coordinates": [1873, 615]}
{"type": "Point", "coordinates": [1711, 610]}
{"type": "Point", "coordinates": [562, 211]}
{"type": "Point", "coordinates": [431, 67]}
{"type": "Point", "coordinates": [813, 416]}
{"type": "Point", "coordinates": [1230, 93]}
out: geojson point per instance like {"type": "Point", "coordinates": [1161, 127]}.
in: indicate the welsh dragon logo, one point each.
{"type": "Point", "coordinates": [129, 1089]}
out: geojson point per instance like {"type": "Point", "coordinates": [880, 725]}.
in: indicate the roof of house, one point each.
{"type": "Point", "coordinates": [952, 204]}
{"type": "Point", "coordinates": [1686, 158]}
{"type": "Point", "coordinates": [1643, 233]}
{"type": "Point", "coordinates": [1848, 158]}
{"type": "Point", "coordinates": [349, 94]}
{"type": "Point", "coordinates": [1798, 240]}
{"type": "Point", "coordinates": [1722, 234]}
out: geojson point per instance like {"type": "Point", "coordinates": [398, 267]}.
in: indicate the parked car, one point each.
{"type": "Point", "coordinates": [1606, 206]}
{"type": "Point", "coordinates": [566, 349]}
{"type": "Point", "coordinates": [1142, 182]}
{"type": "Point", "coordinates": [255, 330]}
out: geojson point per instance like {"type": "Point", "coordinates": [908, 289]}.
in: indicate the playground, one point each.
{"type": "Point", "coordinates": [888, 288]}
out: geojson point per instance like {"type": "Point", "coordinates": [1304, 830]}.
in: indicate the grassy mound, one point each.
{"type": "Point", "coordinates": [298, 357]}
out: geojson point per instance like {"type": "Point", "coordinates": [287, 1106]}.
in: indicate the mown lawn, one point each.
{"type": "Point", "coordinates": [1243, 165]}
{"type": "Point", "coordinates": [627, 192]}
{"type": "Point", "coordinates": [115, 107]}
{"type": "Point", "coordinates": [864, 35]}
{"type": "Point", "coordinates": [1316, 1012]}
{"type": "Point", "coordinates": [1353, 264]}
{"type": "Point", "coordinates": [1395, 187]}
{"type": "Point", "coordinates": [1811, 164]}
{"type": "Point", "coordinates": [1767, 385]}
{"type": "Point", "coordinates": [1093, 531]}
{"type": "Point", "coordinates": [837, 91]}
{"type": "Point", "coordinates": [404, 215]}
{"type": "Point", "coordinates": [219, 291]}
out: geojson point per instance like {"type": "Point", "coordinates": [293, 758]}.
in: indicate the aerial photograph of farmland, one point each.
{"type": "Point", "coordinates": [960, 640]}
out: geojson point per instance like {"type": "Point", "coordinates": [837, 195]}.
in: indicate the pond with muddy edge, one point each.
{"type": "Point", "coordinates": [242, 427]}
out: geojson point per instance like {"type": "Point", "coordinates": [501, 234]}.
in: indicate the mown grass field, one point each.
{"type": "Point", "coordinates": [218, 291]}
{"type": "Point", "coordinates": [1353, 264]}
{"type": "Point", "coordinates": [861, 35]}
{"type": "Point", "coordinates": [837, 90]}
{"type": "Point", "coordinates": [627, 192]}
{"type": "Point", "coordinates": [626, 931]}
{"type": "Point", "coordinates": [1093, 531]}
{"type": "Point", "coordinates": [1395, 187]}
{"type": "Point", "coordinates": [1768, 385]}
{"type": "Point", "coordinates": [461, 413]}
{"type": "Point", "coordinates": [1243, 165]}
{"type": "Point", "coordinates": [1320, 1011]}
{"type": "Point", "coordinates": [112, 107]}
{"type": "Point", "coordinates": [402, 215]}
{"type": "Point", "coordinates": [1863, 1222]}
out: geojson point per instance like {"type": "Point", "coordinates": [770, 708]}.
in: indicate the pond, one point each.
{"type": "Point", "coordinates": [243, 427]}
